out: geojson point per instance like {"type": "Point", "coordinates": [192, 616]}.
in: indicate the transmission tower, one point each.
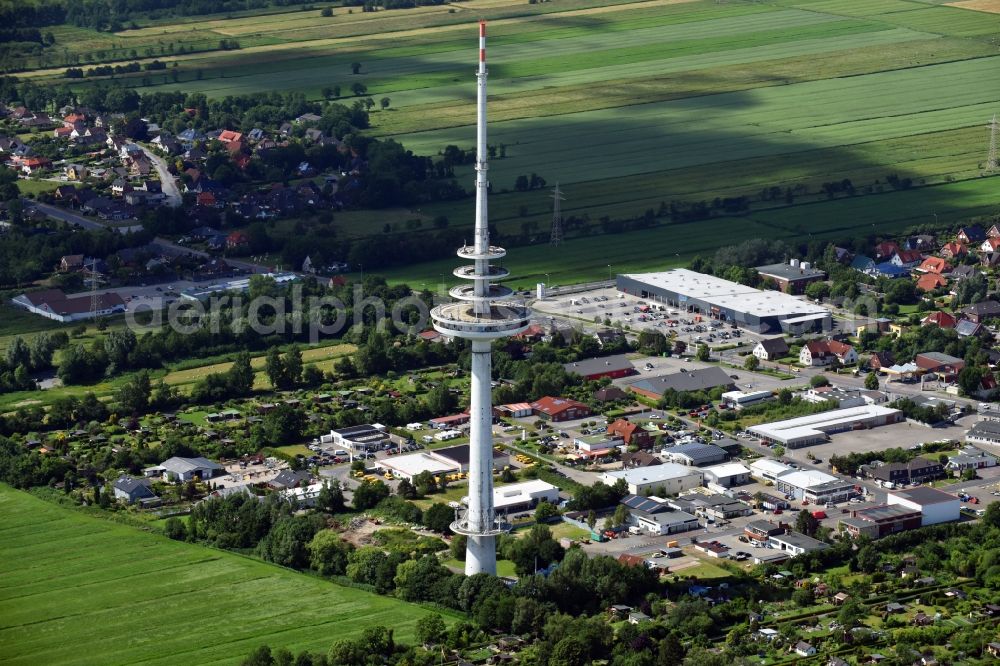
{"type": "Point", "coordinates": [992, 163]}
{"type": "Point", "coordinates": [557, 233]}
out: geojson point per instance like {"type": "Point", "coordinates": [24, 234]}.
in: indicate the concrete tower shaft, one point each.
{"type": "Point", "coordinates": [484, 311]}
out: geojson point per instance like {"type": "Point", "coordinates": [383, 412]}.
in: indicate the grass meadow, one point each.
{"type": "Point", "coordinates": [81, 590]}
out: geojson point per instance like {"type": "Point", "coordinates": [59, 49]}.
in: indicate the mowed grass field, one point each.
{"type": "Point", "coordinates": [629, 104]}
{"type": "Point", "coordinates": [82, 590]}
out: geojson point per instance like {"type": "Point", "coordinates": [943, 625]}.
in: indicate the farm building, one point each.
{"type": "Point", "coordinates": [814, 428]}
{"type": "Point", "coordinates": [753, 309]}
{"type": "Point", "coordinates": [615, 367]}
{"type": "Point", "coordinates": [665, 479]}
{"type": "Point", "coordinates": [935, 506]}
{"type": "Point", "coordinates": [54, 304]}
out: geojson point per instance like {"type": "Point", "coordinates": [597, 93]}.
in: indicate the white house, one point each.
{"type": "Point", "coordinates": [803, 649]}
{"type": "Point", "coordinates": [771, 349]}
{"type": "Point", "coordinates": [827, 352]}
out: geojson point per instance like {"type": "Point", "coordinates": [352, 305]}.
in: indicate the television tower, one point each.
{"type": "Point", "coordinates": [484, 312]}
{"type": "Point", "coordinates": [557, 234]}
{"type": "Point", "coordinates": [992, 163]}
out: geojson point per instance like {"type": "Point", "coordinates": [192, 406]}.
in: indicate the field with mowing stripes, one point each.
{"type": "Point", "coordinates": [81, 590]}
{"type": "Point", "coordinates": [632, 104]}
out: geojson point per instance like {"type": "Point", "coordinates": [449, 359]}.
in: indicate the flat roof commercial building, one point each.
{"type": "Point", "coordinates": [815, 486]}
{"type": "Point", "coordinates": [753, 309]}
{"type": "Point", "coordinates": [816, 428]}
{"type": "Point", "coordinates": [665, 479]}
{"type": "Point", "coordinates": [655, 516]}
{"type": "Point", "coordinates": [240, 285]}
{"type": "Point", "coordinates": [450, 460]}
{"type": "Point", "coordinates": [795, 544]}
{"type": "Point", "coordinates": [727, 475]}
{"type": "Point", "coordinates": [524, 496]}
{"type": "Point", "coordinates": [935, 506]}
{"type": "Point", "coordinates": [694, 454]}
{"type": "Point", "coordinates": [879, 521]}
{"type": "Point", "coordinates": [792, 277]}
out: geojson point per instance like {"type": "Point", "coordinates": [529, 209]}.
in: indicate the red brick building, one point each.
{"type": "Point", "coordinates": [559, 409]}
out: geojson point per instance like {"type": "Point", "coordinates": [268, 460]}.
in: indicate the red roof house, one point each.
{"type": "Point", "coordinates": [886, 249]}
{"type": "Point", "coordinates": [631, 433]}
{"type": "Point", "coordinates": [930, 282]}
{"type": "Point", "coordinates": [228, 136]}
{"type": "Point", "coordinates": [953, 250]}
{"type": "Point", "coordinates": [237, 239]}
{"type": "Point", "coordinates": [934, 265]}
{"type": "Point", "coordinates": [940, 319]}
{"type": "Point", "coordinates": [205, 199]}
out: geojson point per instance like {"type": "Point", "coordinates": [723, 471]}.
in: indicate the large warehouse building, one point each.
{"type": "Point", "coordinates": [753, 309]}
{"type": "Point", "coordinates": [935, 506]}
{"type": "Point", "coordinates": [816, 428]}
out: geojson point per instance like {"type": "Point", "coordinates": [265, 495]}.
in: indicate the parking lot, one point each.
{"type": "Point", "coordinates": [902, 435]}
{"type": "Point", "coordinates": [599, 305]}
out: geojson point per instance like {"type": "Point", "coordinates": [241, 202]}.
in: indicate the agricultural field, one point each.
{"type": "Point", "coordinates": [633, 105]}
{"type": "Point", "coordinates": [82, 590]}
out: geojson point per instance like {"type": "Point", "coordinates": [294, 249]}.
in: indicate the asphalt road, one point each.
{"type": "Point", "coordinates": [167, 181]}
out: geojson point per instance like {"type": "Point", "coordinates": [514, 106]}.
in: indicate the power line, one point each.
{"type": "Point", "coordinates": [992, 163]}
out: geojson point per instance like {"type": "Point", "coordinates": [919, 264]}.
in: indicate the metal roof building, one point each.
{"type": "Point", "coordinates": [760, 311]}
{"type": "Point", "coordinates": [814, 428]}
{"type": "Point", "coordinates": [694, 454]}
{"type": "Point", "coordinates": [665, 479]}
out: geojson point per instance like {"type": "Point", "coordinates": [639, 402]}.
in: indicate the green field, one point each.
{"type": "Point", "coordinates": [81, 590]}
{"type": "Point", "coordinates": [634, 104]}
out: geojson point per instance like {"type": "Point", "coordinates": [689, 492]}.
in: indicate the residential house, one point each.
{"type": "Point", "coordinates": [639, 459]}
{"type": "Point", "coordinates": [237, 240]}
{"type": "Point", "coordinates": [970, 458]}
{"type": "Point", "coordinates": [989, 245]}
{"type": "Point", "coordinates": [30, 165]}
{"type": "Point", "coordinates": [608, 336]}
{"type": "Point", "coordinates": [71, 263]}
{"type": "Point", "coordinates": [881, 359]}
{"type": "Point", "coordinates": [229, 136]}
{"type": "Point", "coordinates": [886, 249]}
{"type": "Point", "coordinates": [129, 490]}
{"type": "Point", "coordinates": [887, 269]}
{"type": "Point", "coordinates": [917, 470]}
{"type": "Point", "coordinates": [559, 409]}
{"type": "Point", "coordinates": [939, 319]}
{"type": "Point", "coordinates": [973, 234]}
{"type": "Point", "coordinates": [804, 649]}
{"type": "Point", "coordinates": [982, 312]}
{"type": "Point", "coordinates": [931, 281]}
{"type": "Point", "coordinates": [907, 258]}
{"type": "Point", "coordinates": [934, 265]}
{"type": "Point", "coordinates": [963, 272]}
{"type": "Point", "coordinates": [75, 171]}
{"type": "Point", "coordinates": [771, 349]}
{"type": "Point", "coordinates": [630, 433]}
{"type": "Point", "coordinates": [863, 264]}
{"type": "Point", "coordinates": [954, 250]}
{"type": "Point", "coordinates": [966, 328]}
{"type": "Point", "coordinates": [288, 478]}
{"type": "Point", "coordinates": [610, 393]}
{"type": "Point", "coordinates": [826, 352]}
